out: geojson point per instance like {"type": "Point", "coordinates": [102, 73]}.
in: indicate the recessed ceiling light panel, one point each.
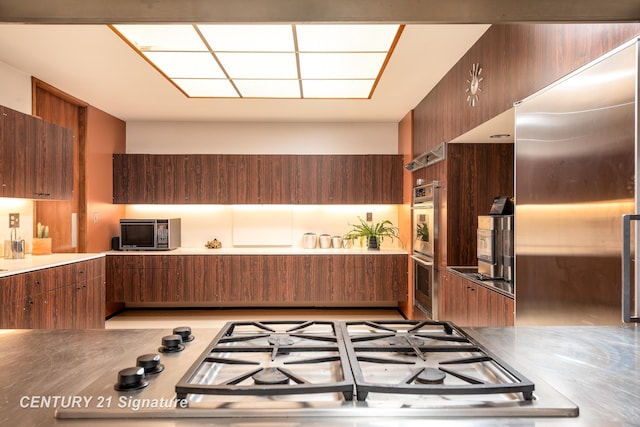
{"type": "Point", "coordinates": [186, 64]}
{"type": "Point", "coordinates": [240, 65]}
{"type": "Point", "coordinates": [201, 88]}
{"type": "Point", "coordinates": [341, 65]}
{"type": "Point", "coordinates": [162, 37]}
{"type": "Point", "coordinates": [267, 61]}
{"type": "Point", "coordinates": [249, 38]}
{"type": "Point", "coordinates": [268, 88]}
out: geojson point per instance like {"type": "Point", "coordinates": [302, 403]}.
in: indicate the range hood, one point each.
{"type": "Point", "coordinates": [428, 158]}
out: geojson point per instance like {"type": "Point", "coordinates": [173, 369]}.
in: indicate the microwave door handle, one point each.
{"type": "Point", "coordinates": [626, 270]}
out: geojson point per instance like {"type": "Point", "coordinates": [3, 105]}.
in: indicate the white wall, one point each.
{"type": "Point", "coordinates": [261, 138]}
{"type": "Point", "coordinates": [15, 89]}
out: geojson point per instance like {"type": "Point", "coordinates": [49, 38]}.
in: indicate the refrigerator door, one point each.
{"type": "Point", "coordinates": [575, 173]}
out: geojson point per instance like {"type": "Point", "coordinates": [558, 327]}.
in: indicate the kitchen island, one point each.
{"type": "Point", "coordinates": [60, 291]}
{"type": "Point", "coordinates": [597, 368]}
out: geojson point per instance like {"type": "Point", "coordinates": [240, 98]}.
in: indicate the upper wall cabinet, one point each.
{"type": "Point", "coordinates": [36, 157]}
{"type": "Point", "coordinates": [257, 179]}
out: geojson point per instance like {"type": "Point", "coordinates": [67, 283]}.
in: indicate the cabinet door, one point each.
{"type": "Point", "coordinates": [53, 162]}
{"type": "Point", "coordinates": [12, 292]}
{"type": "Point", "coordinates": [319, 179]}
{"type": "Point", "coordinates": [244, 273]}
{"type": "Point", "coordinates": [168, 179]}
{"type": "Point", "coordinates": [13, 152]}
{"type": "Point", "coordinates": [276, 179]}
{"type": "Point", "coordinates": [114, 283]}
{"type": "Point", "coordinates": [133, 179]}
{"type": "Point", "coordinates": [500, 310]}
{"type": "Point", "coordinates": [455, 299]}
{"type": "Point", "coordinates": [390, 273]}
{"type": "Point", "coordinates": [476, 304]}
{"type": "Point", "coordinates": [132, 278]}
{"type": "Point", "coordinates": [206, 180]}
{"type": "Point", "coordinates": [242, 178]}
{"type": "Point", "coordinates": [162, 279]}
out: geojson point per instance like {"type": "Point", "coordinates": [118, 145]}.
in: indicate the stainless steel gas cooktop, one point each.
{"type": "Point", "coordinates": [319, 369]}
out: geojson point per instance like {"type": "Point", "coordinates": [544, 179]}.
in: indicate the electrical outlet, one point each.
{"type": "Point", "coordinates": [14, 220]}
{"type": "Point", "coordinates": [369, 216]}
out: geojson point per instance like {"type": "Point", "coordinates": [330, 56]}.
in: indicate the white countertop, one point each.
{"type": "Point", "coordinates": [29, 263]}
{"type": "Point", "coordinates": [266, 250]}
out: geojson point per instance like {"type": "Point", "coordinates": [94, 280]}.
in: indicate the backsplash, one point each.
{"type": "Point", "coordinates": [272, 225]}
{"type": "Point", "coordinates": [25, 208]}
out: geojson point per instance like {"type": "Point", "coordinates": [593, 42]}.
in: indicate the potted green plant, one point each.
{"type": "Point", "coordinates": [373, 233]}
{"type": "Point", "coordinates": [422, 232]}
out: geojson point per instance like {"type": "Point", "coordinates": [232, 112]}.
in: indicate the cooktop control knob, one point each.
{"type": "Point", "coordinates": [130, 379]}
{"type": "Point", "coordinates": [150, 363]}
{"type": "Point", "coordinates": [171, 344]}
{"type": "Point", "coordinates": [184, 332]}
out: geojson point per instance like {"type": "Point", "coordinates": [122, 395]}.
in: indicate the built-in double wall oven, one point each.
{"type": "Point", "coordinates": [425, 234]}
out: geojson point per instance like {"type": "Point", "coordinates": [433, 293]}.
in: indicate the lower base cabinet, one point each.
{"type": "Point", "coordinates": [466, 303]}
{"type": "Point", "coordinates": [227, 280]}
{"type": "Point", "coordinates": [70, 296]}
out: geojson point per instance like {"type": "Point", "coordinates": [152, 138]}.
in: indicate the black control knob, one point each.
{"type": "Point", "coordinates": [150, 363]}
{"type": "Point", "coordinates": [184, 332]}
{"type": "Point", "coordinates": [171, 344]}
{"type": "Point", "coordinates": [130, 379]}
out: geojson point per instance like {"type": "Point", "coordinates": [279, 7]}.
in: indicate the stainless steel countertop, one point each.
{"type": "Point", "coordinates": [598, 368]}
{"type": "Point", "coordinates": [470, 273]}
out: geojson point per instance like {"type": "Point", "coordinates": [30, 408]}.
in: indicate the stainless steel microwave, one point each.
{"type": "Point", "coordinates": [149, 234]}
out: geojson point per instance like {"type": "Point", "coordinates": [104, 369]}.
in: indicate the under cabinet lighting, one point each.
{"type": "Point", "coordinates": [267, 61]}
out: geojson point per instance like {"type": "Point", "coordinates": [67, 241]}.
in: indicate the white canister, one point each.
{"type": "Point", "coordinates": [309, 240]}
{"type": "Point", "coordinates": [336, 242]}
{"type": "Point", "coordinates": [325, 241]}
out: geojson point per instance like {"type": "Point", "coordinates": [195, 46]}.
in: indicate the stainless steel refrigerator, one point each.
{"type": "Point", "coordinates": [576, 172]}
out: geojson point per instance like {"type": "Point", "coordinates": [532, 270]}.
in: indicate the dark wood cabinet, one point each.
{"type": "Point", "coordinates": [36, 157]}
{"type": "Point", "coordinates": [245, 280]}
{"type": "Point", "coordinates": [70, 296]}
{"type": "Point", "coordinates": [466, 303]}
{"type": "Point", "coordinates": [253, 179]}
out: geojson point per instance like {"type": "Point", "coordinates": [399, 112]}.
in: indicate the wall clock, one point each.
{"type": "Point", "coordinates": [473, 85]}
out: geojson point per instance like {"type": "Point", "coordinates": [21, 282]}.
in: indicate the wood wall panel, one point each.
{"type": "Point", "coordinates": [55, 107]}
{"type": "Point", "coordinates": [517, 60]}
{"type": "Point", "coordinates": [477, 174]}
{"type": "Point", "coordinates": [405, 145]}
{"type": "Point", "coordinates": [105, 136]}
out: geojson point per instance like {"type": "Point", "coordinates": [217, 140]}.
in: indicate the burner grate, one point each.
{"type": "Point", "coordinates": [271, 359]}
{"type": "Point", "coordinates": [423, 346]}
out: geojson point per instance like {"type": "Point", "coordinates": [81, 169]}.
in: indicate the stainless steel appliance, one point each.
{"type": "Point", "coordinates": [425, 234]}
{"type": "Point", "coordinates": [495, 246]}
{"type": "Point", "coordinates": [576, 145]}
{"type": "Point", "coordinates": [150, 234]}
{"type": "Point", "coordinates": [320, 369]}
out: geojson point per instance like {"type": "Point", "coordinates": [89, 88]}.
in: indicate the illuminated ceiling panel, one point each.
{"type": "Point", "coordinates": [267, 61]}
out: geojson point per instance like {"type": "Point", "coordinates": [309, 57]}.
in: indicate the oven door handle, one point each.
{"type": "Point", "coordinates": [422, 261]}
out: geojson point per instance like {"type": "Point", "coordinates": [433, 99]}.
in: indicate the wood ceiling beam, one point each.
{"type": "Point", "coordinates": [362, 11]}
